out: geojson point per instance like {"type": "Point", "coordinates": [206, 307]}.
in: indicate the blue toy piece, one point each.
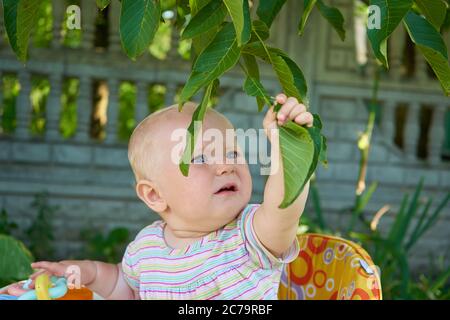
{"type": "Point", "coordinates": [57, 288]}
{"type": "Point", "coordinates": [7, 297]}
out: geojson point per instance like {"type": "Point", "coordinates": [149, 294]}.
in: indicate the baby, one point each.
{"type": "Point", "coordinates": [211, 243]}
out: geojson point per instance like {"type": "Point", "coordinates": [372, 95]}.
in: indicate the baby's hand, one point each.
{"type": "Point", "coordinates": [50, 268]}
{"type": "Point", "coordinates": [291, 109]}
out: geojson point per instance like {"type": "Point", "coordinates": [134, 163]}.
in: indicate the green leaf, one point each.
{"type": "Point", "coordinates": [193, 129]}
{"type": "Point", "coordinates": [364, 199]}
{"type": "Point", "coordinates": [316, 137]}
{"type": "Point", "coordinates": [286, 77]}
{"type": "Point", "coordinates": [208, 17]}
{"type": "Point", "coordinates": [430, 43]}
{"type": "Point", "coordinates": [268, 10]}
{"type": "Point", "coordinates": [27, 18]}
{"type": "Point", "coordinates": [254, 88]}
{"type": "Point", "coordinates": [139, 21]}
{"type": "Point", "coordinates": [259, 31]}
{"type": "Point", "coordinates": [15, 261]}
{"type": "Point", "coordinates": [102, 4]}
{"type": "Point", "coordinates": [392, 13]}
{"type": "Point", "coordinates": [297, 150]}
{"type": "Point", "coordinates": [197, 5]}
{"type": "Point", "coordinates": [323, 152]}
{"type": "Point", "coordinates": [319, 147]}
{"type": "Point", "coordinates": [20, 18]}
{"type": "Point", "coordinates": [10, 18]}
{"type": "Point", "coordinates": [220, 55]}
{"type": "Point", "coordinates": [334, 17]}
{"type": "Point", "coordinates": [308, 5]}
{"type": "Point", "coordinates": [253, 72]}
{"type": "Point", "coordinates": [240, 18]}
{"type": "Point", "coordinates": [247, 29]}
{"type": "Point", "coordinates": [299, 78]}
{"type": "Point", "coordinates": [434, 10]}
{"type": "Point", "coordinates": [288, 73]}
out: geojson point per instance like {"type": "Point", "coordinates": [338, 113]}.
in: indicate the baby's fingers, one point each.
{"type": "Point", "coordinates": [16, 290]}
{"type": "Point", "coordinates": [288, 106]}
{"type": "Point", "coordinates": [305, 118]}
{"type": "Point", "coordinates": [53, 268]}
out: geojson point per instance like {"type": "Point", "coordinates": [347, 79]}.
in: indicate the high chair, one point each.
{"type": "Point", "coordinates": [330, 268]}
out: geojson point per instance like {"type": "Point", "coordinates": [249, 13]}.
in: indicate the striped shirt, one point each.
{"type": "Point", "coordinates": [230, 263]}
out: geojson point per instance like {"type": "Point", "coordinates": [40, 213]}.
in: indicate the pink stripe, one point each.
{"type": "Point", "coordinates": [250, 289]}
{"type": "Point", "coordinates": [178, 258]}
{"type": "Point", "coordinates": [192, 290]}
{"type": "Point", "coordinates": [244, 279]}
{"type": "Point", "coordinates": [184, 270]}
{"type": "Point", "coordinates": [131, 254]}
{"type": "Point", "coordinates": [251, 235]}
{"type": "Point", "coordinates": [194, 278]}
{"type": "Point", "coordinates": [148, 236]}
{"type": "Point", "coordinates": [265, 293]}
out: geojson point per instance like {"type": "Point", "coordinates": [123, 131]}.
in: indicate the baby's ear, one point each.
{"type": "Point", "coordinates": [147, 192]}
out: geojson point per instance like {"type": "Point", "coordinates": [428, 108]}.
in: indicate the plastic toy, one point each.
{"type": "Point", "coordinates": [50, 288]}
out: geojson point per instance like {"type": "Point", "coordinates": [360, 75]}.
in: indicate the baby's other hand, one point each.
{"type": "Point", "coordinates": [14, 289]}
{"type": "Point", "coordinates": [291, 109]}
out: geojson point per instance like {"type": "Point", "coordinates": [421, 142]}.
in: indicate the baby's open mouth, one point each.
{"type": "Point", "coordinates": [227, 189]}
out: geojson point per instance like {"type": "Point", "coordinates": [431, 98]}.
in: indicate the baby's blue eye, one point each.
{"type": "Point", "coordinates": [233, 154]}
{"type": "Point", "coordinates": [199, 159]}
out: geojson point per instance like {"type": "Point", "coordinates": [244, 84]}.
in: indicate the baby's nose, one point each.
{"type": "Point", "coordinates": [224, 169]}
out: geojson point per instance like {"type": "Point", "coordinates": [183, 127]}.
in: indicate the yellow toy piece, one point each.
{"type": "Point", "coordinates": [330, 268]}
{"type": "Point", "coordinates": [42, 286]}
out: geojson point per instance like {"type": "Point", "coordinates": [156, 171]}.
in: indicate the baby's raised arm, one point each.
{"type": "Point", "coordinates": [103, 278]}
{"type": "Point", "coordinates": [277, 228]}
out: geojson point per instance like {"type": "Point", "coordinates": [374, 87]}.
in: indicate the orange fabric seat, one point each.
{"type": "Point", "coordinates": [330, 268]}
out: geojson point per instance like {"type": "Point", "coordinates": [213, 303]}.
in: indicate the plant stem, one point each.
{"type": "Point", "coordinates": [364, 147]}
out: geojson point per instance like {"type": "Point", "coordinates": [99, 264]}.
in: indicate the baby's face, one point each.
{"type": "Point", "coordinates": [215, 191]}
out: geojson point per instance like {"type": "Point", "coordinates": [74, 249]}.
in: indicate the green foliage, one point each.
{"type": "Point", "coordinates": [161, 46]}
{"type": "Point", "coordinates": [334, 17]}
{"type": "Point", "coordinates": [208, 17]}
{"type": "Point", "coordinates": [434, 10]}
{"type": "Point", "coordinates": [331, 14]}
{"type": "Point", "coordinates": [43, 32]}
{"type": "Point", "coordinates": [430, 43]}
{"type": "Point", "coordinates": [392, 13]}
{"type": "Point", "coordinates": [240, 15]}
{"type": "Point", "coordinates": [21, 18]}
{"type": "Point", "coordinates": [308, 5]}
{"type": "Point", "coordinates": [6, 227]}
{"type": "Point", "coordinates": [156, 96]}
{"type": "Point", "coordinates": [220, 55]}
{"type": "Point", "coordinates": [392, 250]}
{"type": "Point", "coordinates": [102, 4]}
{"type": "Point", "coordinates": [40, 233]}
{"type": "Point", "coordinates": [68, 120]}
{"type": "Point", "coordinates": [108, 248]}
{"type": "Point", "coordinates": [127, 103]}
{"type": "Point", "coordinates": [139, 21]}
{"type": "Point", "coordinates": [15, 262]}
{"type": "Point", "coordinates": [268, 10]}
{"type": "Point", "coordinates": [40, 88]}
{"type": "Point", "coordinates": [71, 38]}
{"type": "Point", "coordinates": [193, 129]}
{"type": "Point", "coordinates": [11, 88]}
